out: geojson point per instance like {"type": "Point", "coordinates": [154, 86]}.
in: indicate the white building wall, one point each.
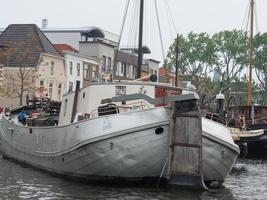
{"type": "Point", "coordinates": [73, 77]}
{"type": "Point", "coordinates": [72, 36]}
{"type": "Point", "coordinates": [51, 73]}
{"type": "Point", "coordinates": [76, 59]}
{"type": "Point", "coordinates": [99, 50]}
{"type": "Point", "coordinates": [153, 66]}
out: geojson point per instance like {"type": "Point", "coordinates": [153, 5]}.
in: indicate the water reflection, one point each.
{"type": "Point", "coordinates": [246, 181]}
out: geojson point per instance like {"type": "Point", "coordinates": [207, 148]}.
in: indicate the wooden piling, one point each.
{"type": "Point", "coordinates": [185, 155]}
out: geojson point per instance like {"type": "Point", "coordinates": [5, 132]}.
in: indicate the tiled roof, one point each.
{"type": "Point", "coordinates": [165, 72]}
{"type": "Point", "coordinates": [25, 43]}
{"type": "Point", "coordinates": [65, 47]}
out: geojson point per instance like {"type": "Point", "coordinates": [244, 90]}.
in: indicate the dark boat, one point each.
{"type": "Point", "coordinates": [255, 119]}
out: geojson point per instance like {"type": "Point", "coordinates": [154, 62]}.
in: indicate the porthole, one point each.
{"type": "Point", "coordinates": [159, 131]}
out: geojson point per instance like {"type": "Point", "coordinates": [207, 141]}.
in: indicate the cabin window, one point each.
{"type": "Point", "coordinates": [78, 69]}
{"type": "Point", "coordinates": [71, 67]}
{"type": "Point", "coordinates": [52, 68]}
{"type": "Point", "coordinates": [65, 106]}
{"type": "Point", "coordinates": [120, 90]}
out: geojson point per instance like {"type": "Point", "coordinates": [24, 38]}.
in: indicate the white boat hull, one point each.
{"type": "Point", "coordinates": [111, 147]}
{"type": "Point", "coordinates": [219, 151]}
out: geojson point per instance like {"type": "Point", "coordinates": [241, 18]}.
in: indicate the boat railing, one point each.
{"type": "Point", "coordinates": [214, 117]}
{"type": "Point", "coordinates": [140, 105]}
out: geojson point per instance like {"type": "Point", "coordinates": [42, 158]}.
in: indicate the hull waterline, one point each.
{"type": "Point", "coordinates": [131, 153]}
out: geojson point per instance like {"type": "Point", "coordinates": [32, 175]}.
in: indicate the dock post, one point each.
{"type": "Point", "coordinates": [185, 153]}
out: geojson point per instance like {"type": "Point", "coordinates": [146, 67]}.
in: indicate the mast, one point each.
{"type": "Point", "coordinates": [140, 43]}
{"type": "Point", "coordinates": [176, 60]}
{"type": "Point", "coordinates": [250, 53]}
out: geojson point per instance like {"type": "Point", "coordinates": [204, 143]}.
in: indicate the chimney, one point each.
{"type": "Point", "coordinates": [44, 23]}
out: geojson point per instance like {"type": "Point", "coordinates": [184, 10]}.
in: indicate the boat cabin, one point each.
{"type": "Point", "coordinates": [86, 102]}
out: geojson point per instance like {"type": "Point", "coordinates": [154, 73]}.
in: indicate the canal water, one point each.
{"type": "Point", "coordinates": [247, 181]}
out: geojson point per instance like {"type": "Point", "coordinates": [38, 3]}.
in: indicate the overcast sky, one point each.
{"type": "Point", "coordinates": [189, 15]}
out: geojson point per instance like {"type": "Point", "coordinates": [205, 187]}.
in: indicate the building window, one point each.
{"type": "Point", "coordinates": [78, 69]}
{"type": "Point", "coordinates": [94, 72]}
{"type": "Point", "coordinates": [104, 63]}
{"type": "Point", "coordinates": [109, 64]}
{"type": "Point", "coordinates": [41, 83]}
{"type": "Point", "coordinates": [65, 70]}
{"type": "Point", "coordinates": [123, 69]}
{"type": "Point", "coordinates": [70, 86]}
{"type": "Point", "coordinates": [50, 90]}
{"type": "Point", "coordinates": [71, 67]}
{"type": "Point", "coordinates": [118, 68]}
{"type": "Point", "coordinates": [86, 71]}
{"type": "Point", "coordinates": [120, 90]}
{"type": "Point", "coordinates": [127, 70]}
{"type": "Point", "coordinates": [52, 68]}
{"type": "Point", "coordinates": [1, 74]}
{"type": "Point", "coordinates": [59, 91]}
{"type": "Point", "coordinates": [133, 72]}
{"type": "Point", "coordinates": [65, 107]}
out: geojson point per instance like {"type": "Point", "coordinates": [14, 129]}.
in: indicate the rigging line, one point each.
{"type": "Point", "coordinates": [145, 21]}
{"type": "Point", "coordinates": [130, 32]}
{"type": "Point", "coordinates": [136, 14]}
{"type": "Point", "coordinates": [136, 23]}
{"type": "Point", "coordinates": [256, 18]}
{"type": "Point", "coordinates": [133, 23]}
{"type": "Point", "coordinates": [245, 16]}
{"type": "Point", "coordinates": [122, 27]}
{"type": "Point", "coordinates": [131, 29]}
{"type": "Point", "coordinates": [171, 16]}
{"type": "Point", "coordinates": [161, 41]}
{"type": "Point", "coordinates": [135, 29]}
{"type": "Point", "coordinates": [169, 23]}
{"type": "Point", "coordinates": [248, 20]}
{"type": "Point", "coordinates": [136, 26]}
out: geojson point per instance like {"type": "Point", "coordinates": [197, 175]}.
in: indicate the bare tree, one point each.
{"type": "Point", "coordinates": [21, 79]}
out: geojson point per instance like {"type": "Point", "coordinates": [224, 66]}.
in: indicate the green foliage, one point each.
{"type": "Point", "coordinates": [226, 54]}
{"type": "Point", "coordinates": [231, 48]}
{"type": "Point", "coordinates": [260, 63]}
{"type": "Point", "coordinates": [196, 58]}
